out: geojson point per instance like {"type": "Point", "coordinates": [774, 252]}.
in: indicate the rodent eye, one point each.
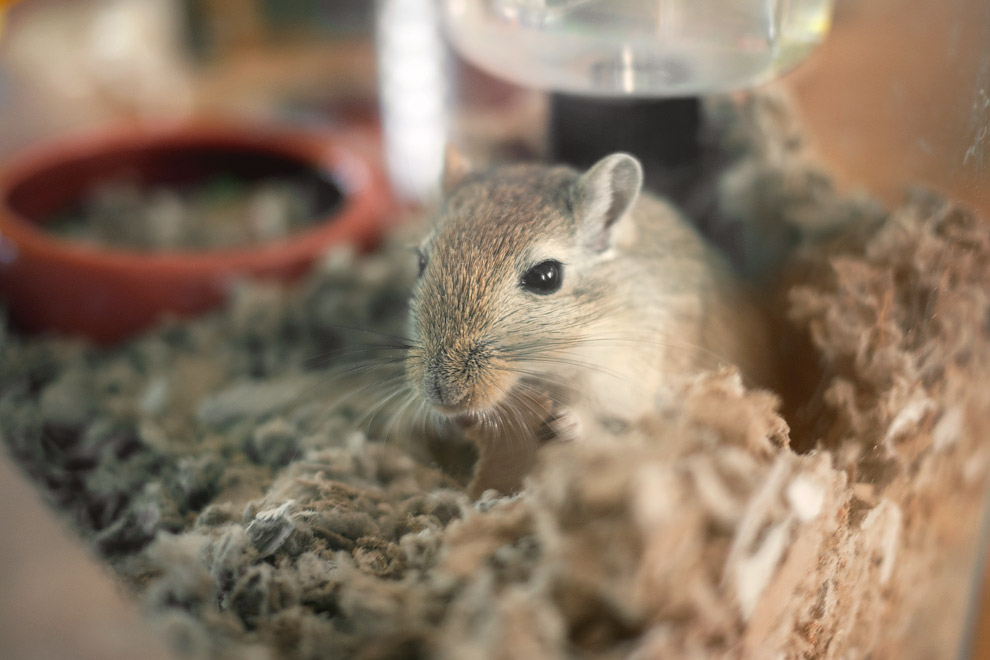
{"type": "Point", "coordinates": [543, 278]}
{"type": "Point", "coordinates": [421, 264]}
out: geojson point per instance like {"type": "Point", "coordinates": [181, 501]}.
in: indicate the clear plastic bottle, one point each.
{"type": "Point", "coordinates": [636, 47]}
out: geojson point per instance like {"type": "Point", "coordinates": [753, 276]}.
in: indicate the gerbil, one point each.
{"type": "Point", "coordinates": [555, 303]}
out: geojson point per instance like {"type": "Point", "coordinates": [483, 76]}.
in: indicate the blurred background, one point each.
{"type": "Point", "coordinates": [896, 94]}
{"type": "Point", "coordinates": [893, 93]}
{"type": "Point", "coordinates": [73, 64]}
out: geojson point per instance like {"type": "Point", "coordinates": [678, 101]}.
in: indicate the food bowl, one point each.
{"type": "Point", "coordinates": [107, 293]}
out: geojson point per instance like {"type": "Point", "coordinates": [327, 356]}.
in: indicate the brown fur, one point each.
{"type": "Point", "coordinates": [643, 300]}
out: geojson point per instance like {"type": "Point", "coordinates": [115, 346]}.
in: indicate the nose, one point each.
{"type": "Point", "coordinates": [450, 373]}
{"type": "Point", "coordinates": [439, 388]}
{"type": "Point", "coordinates": [435, 386]}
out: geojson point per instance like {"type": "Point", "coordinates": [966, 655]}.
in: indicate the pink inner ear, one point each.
{"type": "Point", "coordinates": [594, 209]}
{"type": "Point", "coordinates": [606, 192]}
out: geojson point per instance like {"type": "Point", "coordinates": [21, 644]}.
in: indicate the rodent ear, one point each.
{"type": "Point", "coordinates": [456, 168]}
{"type": "Point", "coordinates": [604, 194]}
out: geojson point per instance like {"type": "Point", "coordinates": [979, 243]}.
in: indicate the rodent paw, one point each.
{"type": "Point", "coordinates": [563, 425]}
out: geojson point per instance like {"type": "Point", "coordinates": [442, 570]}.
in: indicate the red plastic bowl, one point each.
{"type": "Point", "coordinates": [107, 294]}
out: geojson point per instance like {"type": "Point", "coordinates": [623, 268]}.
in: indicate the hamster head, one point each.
{"type": "Point", "coordinates": [509, 277]}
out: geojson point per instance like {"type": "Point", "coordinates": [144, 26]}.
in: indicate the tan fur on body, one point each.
{"type": "Point", "coordinates": [642, 300]}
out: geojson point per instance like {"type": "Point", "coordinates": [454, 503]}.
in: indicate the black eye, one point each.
{"type": "Point", "coordinates": [543, 278]}
{"type": "Point", "coordinates": [421, 264]}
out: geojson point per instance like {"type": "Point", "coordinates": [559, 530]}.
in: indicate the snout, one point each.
{"type": "Point", "coordinates": [460, 379]}
{"type": "Point", "coordinates": [442, 386]}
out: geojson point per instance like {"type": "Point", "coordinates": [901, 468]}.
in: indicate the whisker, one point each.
{"type": "Point", "coordinates": [552, 359]}
{"type": "Point", "coordinates": [396, 340]}
{"type": "Point", "coordinates": [345, 353]}
{"type": "Point", "coordinates": [398, 386]}
{"type": "Point", "coordinates": [336, 405]}
{"type": "Point", "coordinates": [524, 349]}
{"type": "Point", "coordinates": [421, 414]}
{"type": "Point", "coordinates": [410, 398]}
